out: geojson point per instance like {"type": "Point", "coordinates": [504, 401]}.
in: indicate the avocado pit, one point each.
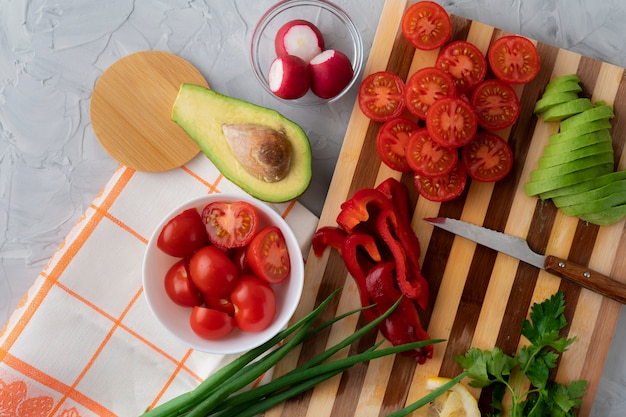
{"type": "Point", "coordinates": [262, 151]}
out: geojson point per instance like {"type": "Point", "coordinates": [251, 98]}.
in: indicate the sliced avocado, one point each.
{"type": "Point", "coordinates": [542, 187]}
{"type": "Point", "coordinates": [605, 217]}
{"type": "Point", "coordinates": [203, 114]}
{"type": "Point", "coordinates": [580, 130]}
{"type": "Point", "coordinates": [598, 112]}
{"type": "Point", "coordinates": [595, 200]}
{"type": "Point", "coordinates": [573, 166]}
{"type": "Point", "coordinates": [552, 99]}
{"type": "Point", "coordinates": [570, 108]}
{"type": "Point", "coordinates": [585, 190]}
{"type": "Point", "coordinates": [568, 156]}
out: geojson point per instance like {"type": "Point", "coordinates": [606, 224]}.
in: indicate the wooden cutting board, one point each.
{"type": "Point", "coordinates": [478, 296]}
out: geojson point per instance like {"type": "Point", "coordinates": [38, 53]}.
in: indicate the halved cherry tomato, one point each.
{"type": "Point", "coordinates": [465, 63]}
{"type": "Point", "coordinates": [426, 86]}
{"type": "Point", "coordinates": [391, 142]}
{"type": "Point", "coordinates": [496, 104]}
{"type": "Point", "coordinates": [213, 272]}
{"type": "Point", "coordinates": [451, 122]}
{"type": "Point", "coordinates": [514, 59]}
{"type": "Point", "coordinates": [381, 96]}
{"type": "Point", "coordinates": [255, 304]}
{"type": "Point", "coordinates": [444, 187]}
{"type": "Point", "coordinates": [211, 324]}
{"type": "Point", "coordinates": [179, 287]}
{"type": "Point", "coordinates": [268, 256]}
{"type": "Point", "coordinates": [427, 158]}
{"type": "Point", "coordinates": [183, 234]}
{"type": "Point", "coordinates": [487, 158]}
{"type": "Point", "coordinates": [230, 225]}
{"type": "Point", "coordinates": [426, 25]}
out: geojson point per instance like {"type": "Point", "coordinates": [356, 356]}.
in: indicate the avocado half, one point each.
{"type": "Point", "coordinates": [202, 113]}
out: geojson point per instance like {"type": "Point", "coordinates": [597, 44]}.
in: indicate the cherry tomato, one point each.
{"type": "Point", "coordinates": [451, 122]}
{"type": "Point", "coordinates": [381, 96]}
{"type": "Point", "coordinates": [496, 104]}
{"type": "Point", "coordinates": [514, 59]}
{"type": "Point", "coordinates": [230, 225]}
{"type": "Point", "coordinates": [426, 25]}
{"type": "Point", "coordinates": [391, 142]}
{"type": "Point", "coordinates": [183, 234]}
{"type": "Point", "coordinates": [240, 257]}
{"type": "Point", "coordinates": [179, 287]}
{"type": "Point", "coordinates": [427, 158]}
{"type": "Point", "coordinates": [213, 272]}
{"type": "Point", "coordinates": [220, 304]}
{"type": "Point", "coordinates": [487, 158]}
{"type": "Point", "coordinates": [211, 324]}
{"type": "Point", "coordinates": [465, 64]}
{"type": "Point", "coordinates": [255, 303]}
{"type": "Point", "coordinates": [426, 86]}
{"type": "Point", "coordinates": [444, 187]}
{"type": "Point", "coordinates": [268, 256]}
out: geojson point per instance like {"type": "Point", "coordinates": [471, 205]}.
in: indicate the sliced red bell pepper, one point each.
{"type": "Point", "coordinates": [328, 236]}
{"type": "Point", "coordinates": [395, 191]}
{"type": "Point", "coordinates": [364, 205]}
{"type": "Point", "coordinates": [403, 325]}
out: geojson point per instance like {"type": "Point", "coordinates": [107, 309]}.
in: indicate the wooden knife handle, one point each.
{"type": "Point", "coordinates": [586, 277]}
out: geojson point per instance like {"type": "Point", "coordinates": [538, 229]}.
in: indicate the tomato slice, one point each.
{"type": "Point", "coordinates": [451, 122]}
{"type": "Point", "coordinates": [211, 324]}
{"type": "Point", "coordinates": [381, 96]}
{"type": "Point", "coordinates": [487, 158]}
{"type": "Point", "coordinates": [496, 104]}
{"type": "Point", "coordinates": [426, 25]}
{"type": "Point", "coordinates": [426, 86]}
{"type": "Point", "coordinates": [268, 256]}
{"type": "Point", "coordinates": [443, 187]}
{"type": "Point", "coordinates": [230, 225]}
{"type": "Point", "coordinates": [427, 158]}
{"type": "Point", "coordinates": [179, 287]}
{"type": "Point", "coordinates": [391, 142]}
{"type": "Point", "coordinates": [183, 234]}
{"type": "Point", "coordinates": [255, 304]}
{"type": "Point", "coordinates": [465, 63]}
{"type": "Point", "coordinates": [514, 59]}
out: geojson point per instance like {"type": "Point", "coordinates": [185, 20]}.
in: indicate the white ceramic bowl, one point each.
{"type": "Point", "coordinates": [176, 318]}
{"type": "Point", "coordinates": [338, 30]}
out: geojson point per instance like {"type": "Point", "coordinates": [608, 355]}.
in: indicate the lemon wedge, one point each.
{"type": "Point", "coordinates": [456, 402]}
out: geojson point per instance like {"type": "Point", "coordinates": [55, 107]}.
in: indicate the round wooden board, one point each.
{"type": "Point", "coordinates": [131, 106]}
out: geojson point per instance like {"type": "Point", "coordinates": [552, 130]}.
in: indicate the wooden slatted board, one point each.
{"type": "Point", "coordinates": [478, 296]}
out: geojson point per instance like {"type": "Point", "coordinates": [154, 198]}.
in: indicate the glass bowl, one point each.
{"type": "Point", "coordinates": [338, 30]}
{"type": "Point", "coordinates": [176, 318]}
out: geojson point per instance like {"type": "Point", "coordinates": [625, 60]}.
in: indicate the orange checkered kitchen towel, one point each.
{"type": "Point", "coordinates": [83, 342]}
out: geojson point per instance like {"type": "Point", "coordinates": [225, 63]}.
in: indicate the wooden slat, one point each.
{"type": "Point", "coordinates": [478, 296]}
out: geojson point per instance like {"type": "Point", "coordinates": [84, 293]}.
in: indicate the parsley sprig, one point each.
{"type": "Point", "coordinates": [531, 365]}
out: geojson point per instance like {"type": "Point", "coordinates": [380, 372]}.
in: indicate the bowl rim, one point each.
{"type": "Point", "coordinates": [283, 5]}
{"type": "Point", "coordinates": [237, 341]}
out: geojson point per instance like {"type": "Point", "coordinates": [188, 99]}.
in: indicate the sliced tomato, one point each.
{"type": "Point", "coordinates": [451, 122]}
{"type": "Point", "coordinates": [268, 255]}
{"type": "Point", "coordinates": [496, 104]}
{"type": "Point", "coordinates": [465, 63]}
{"type": "Point", "coordinates": [426, 25]}
{"type": "Point", "coordinates": [443, 187]}
{"type": "Point", "coordinates": [487, 158]}
{"type": "Point", "coordinates": [514, 59]}
{"type": "Point", "coordinates": [427, 158]}
{"type": "Point", "coordinates": [381, 96]}
{"type": "Point", "coordinates": [391, 142]}
{"type": "Point", "coordinates": [230, 225]}
{"type": "Point", "coordinates": [426, 86]}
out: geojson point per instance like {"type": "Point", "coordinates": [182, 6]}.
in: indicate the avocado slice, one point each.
{"type": "Point", "coordinates": [206, 114]}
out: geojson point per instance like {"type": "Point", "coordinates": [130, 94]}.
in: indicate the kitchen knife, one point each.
{"type": "Point", "coordinates": [518, 248]}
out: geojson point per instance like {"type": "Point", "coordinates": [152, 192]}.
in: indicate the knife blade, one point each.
{"type": "Point", "coordinates": [519, 249]}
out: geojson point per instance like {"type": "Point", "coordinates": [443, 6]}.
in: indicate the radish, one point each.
{"type": "Point", "coordinates": [300, 38]}
{"type": "Point", "coordinates": [331, 72]}
{"type": "Point", "coordinates": [289, 77]}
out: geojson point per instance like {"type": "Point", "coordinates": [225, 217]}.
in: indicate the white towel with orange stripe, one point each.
{"type": "Point", "coordinates": [82, 341]}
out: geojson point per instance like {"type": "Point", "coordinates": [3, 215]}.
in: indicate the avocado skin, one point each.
{"type": "Point", "coordinates": [202, 112]}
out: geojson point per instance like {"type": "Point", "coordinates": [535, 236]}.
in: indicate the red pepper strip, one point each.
{"type": "Point", "coordinates": [328, 236]}
{"type": "Point", "coordinates": [362, 206]}
{"type": "Point", "coordinates": [396, 192]}
{"type": "Point", "coordinates": [403, 325]}
{"type": "Point", "coordinates": [359, 264]}
{"type": "Point", "coordinates": [415, 288]}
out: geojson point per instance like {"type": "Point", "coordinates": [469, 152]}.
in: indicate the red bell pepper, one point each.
{"type": "Point", "coordinates": [403, 325]}
{"type": "Point", "coordinates": [328, 236]}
